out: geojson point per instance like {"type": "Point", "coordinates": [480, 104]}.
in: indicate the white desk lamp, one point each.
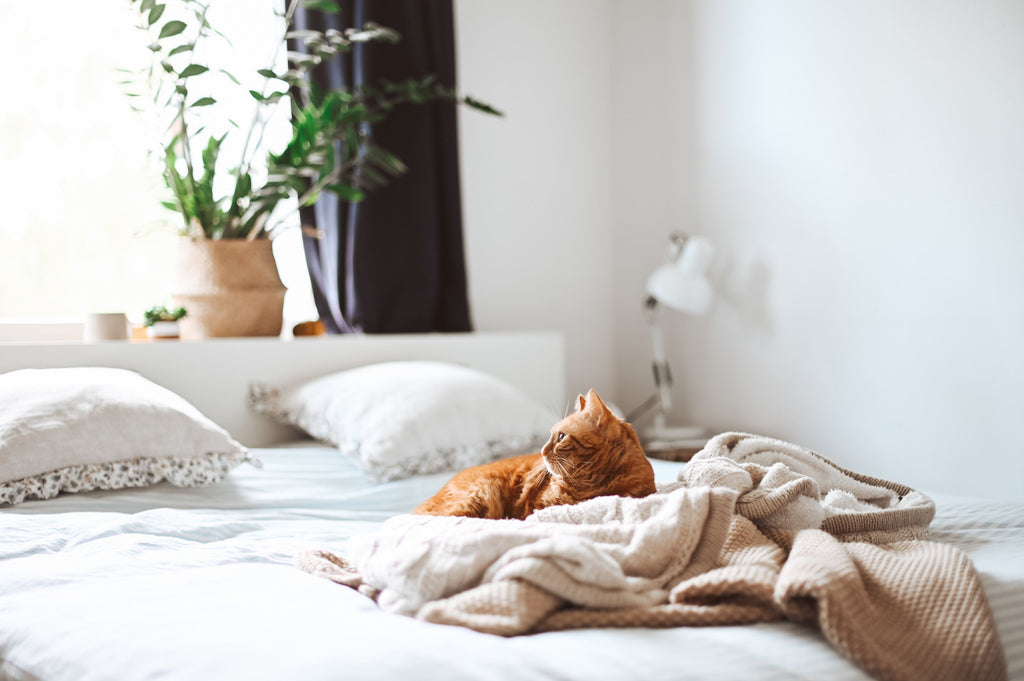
{"type": "Point", "coordinates": [680, 284]}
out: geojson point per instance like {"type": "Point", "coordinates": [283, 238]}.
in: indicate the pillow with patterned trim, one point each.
{"type": "Point", "coordinates": [80, 429]}
{"type": "Point", "coordinates": [398, 419]}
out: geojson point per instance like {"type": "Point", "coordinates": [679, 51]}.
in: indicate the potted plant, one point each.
{"type": "Point", "coordinates": [161, 322]}
{"type": "Point", "coordinates": [231, 208]}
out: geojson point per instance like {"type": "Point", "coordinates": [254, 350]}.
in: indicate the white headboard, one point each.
{"type": "Point", "coordinates": [214, 375]}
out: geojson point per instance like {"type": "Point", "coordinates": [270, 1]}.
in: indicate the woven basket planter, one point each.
{"type": "Point", "coordinates": [229, 287]}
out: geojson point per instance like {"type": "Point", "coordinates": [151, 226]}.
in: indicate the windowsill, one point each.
{"type": "Point", "coordinates": [71, 331]}
{"type": "Point", "coordinates": [41, 330]}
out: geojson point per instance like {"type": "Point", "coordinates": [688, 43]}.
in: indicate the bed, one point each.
{"type": "Point", "coordinates": [171, 582]}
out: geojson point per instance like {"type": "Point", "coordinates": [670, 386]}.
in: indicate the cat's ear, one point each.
{"type": "Point", "coordinates": [582, 404]}
{"type": "Point", "coordinates": [595, 406]}
{"type": "Point", "coordinates": [594, 401]}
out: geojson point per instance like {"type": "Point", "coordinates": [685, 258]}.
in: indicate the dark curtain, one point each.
{"type": "Point", "coordinates": [394, 263]}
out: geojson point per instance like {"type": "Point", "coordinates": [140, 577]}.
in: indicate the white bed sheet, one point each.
{"type": "Point", "coordinates": [193, 584]}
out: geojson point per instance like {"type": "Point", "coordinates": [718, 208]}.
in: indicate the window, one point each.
{"type": "Point", "coordinates": [82, 229]}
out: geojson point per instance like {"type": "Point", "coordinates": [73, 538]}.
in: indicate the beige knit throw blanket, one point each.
{"type": "Point", "coordinates": [754, 530]}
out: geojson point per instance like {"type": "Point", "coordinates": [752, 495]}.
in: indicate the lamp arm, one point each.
{"type": "Point", "coordinates": [659, 362]}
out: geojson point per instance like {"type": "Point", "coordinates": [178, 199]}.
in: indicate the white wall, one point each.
{"type": "Point", "coordinates": [654, 176]}
{"type": "Point", "coordinates": [536, 207]}
{"type": "Point", "coordinates": [859, 165]}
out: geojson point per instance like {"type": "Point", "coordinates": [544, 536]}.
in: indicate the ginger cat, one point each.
{"type": "Point", "coordinates": [591, 453]}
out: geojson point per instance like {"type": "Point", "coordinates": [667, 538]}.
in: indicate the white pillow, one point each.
{"type": "Point", "coordinates": [78, 429]}
{"type": "Point", "coordinates": [399, 419]}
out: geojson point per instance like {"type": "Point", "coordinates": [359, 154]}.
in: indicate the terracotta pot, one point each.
{"type": "Point", "coordinates": [229, 287]}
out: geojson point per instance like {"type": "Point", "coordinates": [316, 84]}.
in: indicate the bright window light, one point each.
{"type": "Point", "coordinates": [82, 228]}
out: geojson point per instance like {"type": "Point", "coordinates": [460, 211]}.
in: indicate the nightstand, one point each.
{"type": "Point", "coordinates": [674, 450]}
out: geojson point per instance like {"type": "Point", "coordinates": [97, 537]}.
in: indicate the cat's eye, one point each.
{"type": "Point", "coordinates": [559, 437]}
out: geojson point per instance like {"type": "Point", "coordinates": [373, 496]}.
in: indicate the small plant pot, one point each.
{"type": "Point", "coordinates": [162, 330]}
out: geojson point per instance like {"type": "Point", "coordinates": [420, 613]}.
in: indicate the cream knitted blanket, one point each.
{"type": "Point", "coordinates": [754, 530]}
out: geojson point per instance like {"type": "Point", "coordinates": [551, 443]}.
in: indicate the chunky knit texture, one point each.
{"type": "Point", "coordinates": [755, 530]}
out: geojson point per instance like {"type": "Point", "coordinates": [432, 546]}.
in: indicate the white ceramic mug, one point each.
{"type": "Point", "coordinates": [105, 326]}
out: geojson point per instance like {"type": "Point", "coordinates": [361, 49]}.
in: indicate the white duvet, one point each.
{"type": "Point", "coordinates": [192, 584]}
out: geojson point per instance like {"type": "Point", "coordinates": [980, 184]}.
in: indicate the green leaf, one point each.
{"type": "Point", "coordinates": [385, 160]}
{"type": "Point", "coordinates": [172, 28]}
{"type": "Point", "coordinates": [219, 34]}
{"type": "Point", "coordinates": [481, 106]}
{"type": "Point", "coordinates": [346, 192]}
{"type": "Point", "coordinates": [204, 101]}
{"type": "Point", "coordinates": [210, 154]}
{"type": "Point", "coordinates": [179, 49]}
{"type": "Point", "coordinates": [257, 95]}
{"type": "Point", "coordinates": [322, 5]}
{"type": "Point", "coordinates": [231, 77]}
{"type": "Point", "coordinates": [316, 94]}
{"type": "Point", "coordinates": [303, 34]}
{"type": "Point", "coordinates": [267, 73]}
{"type": "Point", "coordinates": [371, 177]}
{"type": "Point", "coordinates": [156, 13]}
{"type": "Point", "coordinates": [147, 5]}
{"type": "Point", "coordinates": [372, 31]}
{"type": "Point", "coordinates": [303, 61]}
{"type": "Point", "coordinates": [243, 188]}
{"type": "Point", "coordinates": [193, 70]}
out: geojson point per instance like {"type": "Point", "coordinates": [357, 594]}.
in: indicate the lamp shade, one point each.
{"type": "Point", "coordinates": [681, 284]}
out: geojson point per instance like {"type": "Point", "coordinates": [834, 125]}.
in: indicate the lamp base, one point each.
{"type": "Point", "coordinates": [677, 443]}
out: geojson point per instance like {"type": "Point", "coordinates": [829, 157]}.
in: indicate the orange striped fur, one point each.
{"type": "Point", "coordinates": [591, 453]}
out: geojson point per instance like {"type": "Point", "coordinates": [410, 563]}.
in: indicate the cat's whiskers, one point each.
{"type": "Point", "coordinates": [563, 465]}
{"type": "Point", "coordinates": [556, 466]}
